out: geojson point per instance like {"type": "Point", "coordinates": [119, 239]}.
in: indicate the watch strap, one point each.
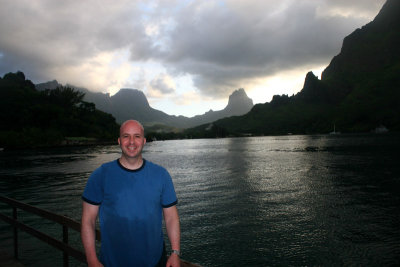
{"type": "Point", "coordinates": [177, 252]}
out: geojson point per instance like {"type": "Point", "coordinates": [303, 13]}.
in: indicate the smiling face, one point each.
{"type": "Point", "coordinates": [131, 140]}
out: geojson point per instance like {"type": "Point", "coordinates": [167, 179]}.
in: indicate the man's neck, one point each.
{"type": "Point", "coordinates": [131, 164]}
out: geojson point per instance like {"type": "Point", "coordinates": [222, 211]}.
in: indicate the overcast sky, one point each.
{"type": "Point", "coordinates": [186, 56]}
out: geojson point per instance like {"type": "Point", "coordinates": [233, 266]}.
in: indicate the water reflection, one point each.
{"type": "Point", "coordinates": [345, 203]}
{"type": "Point", "coordinates": [285, 200]}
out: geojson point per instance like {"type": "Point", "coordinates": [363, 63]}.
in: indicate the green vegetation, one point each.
{"type": "Point", "coordinates": [31, 118]}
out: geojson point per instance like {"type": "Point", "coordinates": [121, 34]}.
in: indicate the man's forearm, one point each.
{"type": "Point", "coordinates": [88, 233]}
{"type": "Point", "coordinates": [174, 234]}
{"type": "Point", "coordinates": [88, 236]}
{"type": "Point", "coordinates": [173, 227]}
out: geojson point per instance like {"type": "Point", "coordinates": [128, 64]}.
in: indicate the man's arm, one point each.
{"type": "Point", "coordinates": [172, 225]}
{"type": "Point", "coordinates": [88, 234]}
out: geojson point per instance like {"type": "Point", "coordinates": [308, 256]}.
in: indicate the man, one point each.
{"type": "Point", "coordinates": [130, 195]}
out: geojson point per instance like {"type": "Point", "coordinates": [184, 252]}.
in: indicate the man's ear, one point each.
{"type": "Point", "coordinates": [119, 141]}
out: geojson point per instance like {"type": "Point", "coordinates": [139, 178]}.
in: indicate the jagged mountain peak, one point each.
{"type": "Point", "coordinates": [238, 92]}
{"type": "Point", "coordinates": [130, 103]}
{"type": "Point", "coordinates": [239, 103]}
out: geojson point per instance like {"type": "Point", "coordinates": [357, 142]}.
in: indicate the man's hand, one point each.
{"type": "Point", "coordinates": [173, 261]}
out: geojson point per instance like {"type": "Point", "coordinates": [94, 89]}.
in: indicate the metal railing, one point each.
{"type": "Point", "coordinates": [64, 221]}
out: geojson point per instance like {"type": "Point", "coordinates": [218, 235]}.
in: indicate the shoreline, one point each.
{"type": "Point", "coordinates": [88, 141]}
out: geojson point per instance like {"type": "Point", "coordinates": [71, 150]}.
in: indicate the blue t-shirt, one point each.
{"type": "Point", "coordinates": [130, 212]}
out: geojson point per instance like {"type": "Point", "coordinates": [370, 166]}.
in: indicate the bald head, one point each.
{"type": "Point", "coordinates": [129, 123]}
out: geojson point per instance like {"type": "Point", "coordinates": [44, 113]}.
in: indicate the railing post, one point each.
{"type": "Point", "coordinates": [65, 222]}
{"type": "Point", "coordinates": [65, 240]}
{"type": "Point", "coordinates": [15, 217]}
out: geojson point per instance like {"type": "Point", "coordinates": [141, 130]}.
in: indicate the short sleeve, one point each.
{"type": "Point", "coordinates": [168, 198]}
{"type": "Point", "coordinates": [93, 192]}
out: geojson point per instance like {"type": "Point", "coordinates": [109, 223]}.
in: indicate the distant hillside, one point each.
{"type": "Point", "coordinates": [33, 118]}
{"type": "Point", "coordinates": [358, 92]}
{"type": "Point", "coordinates": [132, 103]}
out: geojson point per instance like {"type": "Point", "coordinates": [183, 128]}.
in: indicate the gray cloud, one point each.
{"type": "Point", "coordinates": [221, 44]}
{"type": "Point", "coordinates": [46, 37]}
{"type": "Point", "coordinates": [161, 85]}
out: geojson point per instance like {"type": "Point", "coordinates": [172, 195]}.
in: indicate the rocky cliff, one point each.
{"type": "Point", "coordinates": [358, 91]}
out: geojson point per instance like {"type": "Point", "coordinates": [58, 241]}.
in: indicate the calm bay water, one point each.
{"type": "Point", "coordinates": [259, 201]}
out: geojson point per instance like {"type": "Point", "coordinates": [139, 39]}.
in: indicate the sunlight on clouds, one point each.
{"type": "Point", "coordinates": [287, 82]}
{"type": "Point", "coordinates": [324, 12]}
{"type": "Point", "coordinates": [106, 72]}
{"type": "Point", "coordinates": [189, 104]}
{"type": "Point", "coordinates": [187, 98]}
{"type": "Point", "coordinates": [188, 101]}
{"type": "Point", "coordinates": [348, 9]}
{"type": "Point", "coordinates": [151, 78]}
{"type": "Point", "coordinates": [192, 103]}
{"type": "Point", "coordinates": [193, 54]}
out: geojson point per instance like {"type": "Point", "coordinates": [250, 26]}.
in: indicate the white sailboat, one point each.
{"type": "Point", "coordinates": [334, 130]}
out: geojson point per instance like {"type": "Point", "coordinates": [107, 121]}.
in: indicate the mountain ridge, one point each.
{"type": "Point", "coordinates": [130, 103]}
{"type": "Point", "coordinates": [359, 90]}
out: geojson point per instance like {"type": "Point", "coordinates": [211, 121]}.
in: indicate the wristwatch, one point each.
{"type": "Point", "coordinates": [177, 252]}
